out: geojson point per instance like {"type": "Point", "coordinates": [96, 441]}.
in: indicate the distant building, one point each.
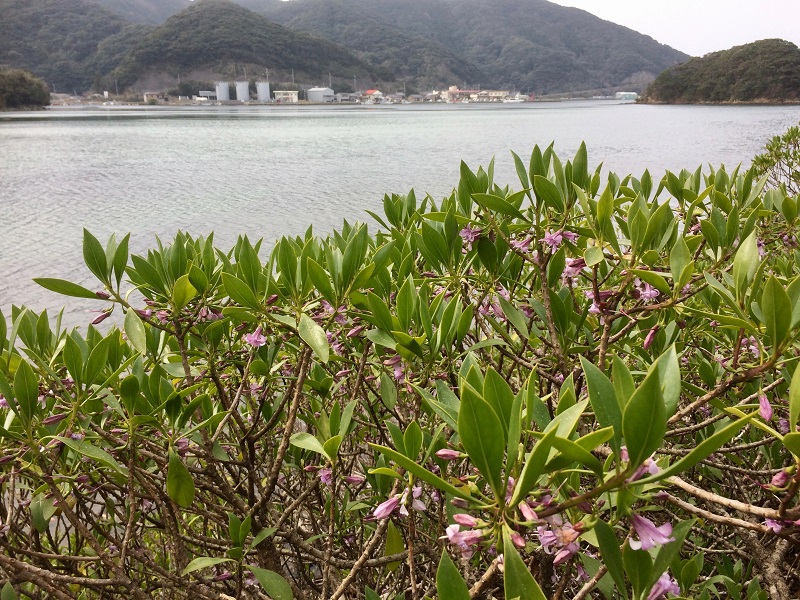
{"type": "Point", "coordinates": [373, 96]}
{"type": "Point", "coordinates": [344, 98]}
{"type": "Point", "coordinates": [320, 95]}
{"type": "Point", "coordinates": [626, 96]}
{"type": "Point", "coordinates": [206, 95]}
{"type": "Point", "coordinates": [154, 96]}
{"type": "Point", "coordinates": [242, 91]}
{"type": "Point", "coordinates": [223, 91]}
{"type": "Point", "coordinates": [262, 91]}
{"type": "Point", "coordinates": [285, 96]}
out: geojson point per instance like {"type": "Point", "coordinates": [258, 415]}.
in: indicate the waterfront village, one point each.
{"type": "Point", "coordinates": [240, 93]}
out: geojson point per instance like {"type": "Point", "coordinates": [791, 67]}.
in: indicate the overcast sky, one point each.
{"type": "Point", "coordinates": [701, 26]}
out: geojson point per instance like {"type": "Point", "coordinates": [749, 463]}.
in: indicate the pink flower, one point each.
{"type": "Point", "coordinates": [775, 526]}
{"type": "Point", "coordinates": [665, 585]}
{"type": "Point", "coordinates": [650, 536]}
{"type": "Point", "coordinates": [470, 235]}
{"type": "Point", "coordinates": [517, 539]}
{"type": "Point", "coordinates": [448, 454]}
{"type": "Point", "coordinates": [780, 479]}
{"type": "Point", "coordinates": [573, 268]}
{"type": "Point", "coordinates": [651, 335]}
{"type": "Point", "coordinates": [326, 476]}
{"type": "Point", "coordinates": [764, 407]}
{"type": "Point", "coordinates": [465, 540]}
{"type": "Point", "coordinates": [560, 538]}
{"type": "Point", "coordinates": [256, 339]}
{"type": "Point", "coordinates": [384, 509]}
{"type": "Point", "coordinates": [645, 291]}
{"type": "Point", "coordinates": [521, 245]}
{"type": "Point", "coordinates": [527, 512]}
{"type": "Point", "coordinates": [465, 519]}
{"type": "Point", "coordinates": [354, 479]}
{"type": "Point", "coordinates": [101, 317]}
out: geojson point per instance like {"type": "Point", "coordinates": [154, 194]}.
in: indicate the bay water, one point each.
{"type": "Point", "coordinates": [268, 171]}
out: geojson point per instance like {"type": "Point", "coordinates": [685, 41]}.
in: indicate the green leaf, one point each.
{"type": "Point", "coordinates": [483, 439]}
{"type": "Point", "coordinates": [548, 192]}
{"type": "Point", "coordinates": [420, 472]}
{"type": "Point", "coordinates": [394, 545]}
{"type": "Point", "coordinates": [499, 205]}
{"type": "Point", "coordinates": [534, 467]}
{"type": "Point", "coordinates": [604, 401]}
{"type": "Point", "coordinates": [611, 554]}
{"type": "Point", "coordinates": [8, 592]}
{"type": "Point", "coordinates": [240, 292]}
{"type": "Point", "coordinates": [517, 579]}
{"type": "Point", "coordinates": [791, 441]}
{"type": "Point", "coordinates": [449, 583]}
{"type": "Point", "coordinates": [669, 551]}
{"type": "Point", "coordinates": [679, 258]}
{"type": "Point", "coordinates": [703, 450]}
{"type": "Point", "coordinates": [638, 567]}
{"type": "Point", "coordinates": [777, 310]}
{"type": "Point", "coordinates": [321, 280]}
{"type": "Point", "coordinates": [745, 264]}
{"type": "Point", "coordinates": [275, 585]}
{"type": "Point", "coordinates": [593, 256]}
{"type": "Point", "coordinates": [95, 257]}
{"type": "Point", "coordinates": [794, 399]}
{"type": "Point", "coordinates": [26, 390]}
{"type": "Point", "coordinates": [412, 440]}
{"type": "Point", "coordinates": [314, 335]}
{"type": "Point", "coordinates": [98, 454]}
{"type": "Point", "coordinates": [182, 292]}
{"type": "Point", "coordinates": [65, 288]}
{"type": "Point", "coordinates": [644, 420]}
{"type": "Point", "coordinates": [134, 329]}
{"type": "Point", "coordinates": [201, 562]}
{"type": "Point", "coordinates": [180, 484]}
{"type": "Point", "coordinates": [307, 442]}
{"type": "Point", "coordinates": [514, 316]}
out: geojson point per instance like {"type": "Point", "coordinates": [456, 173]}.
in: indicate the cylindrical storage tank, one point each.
{"type": "Point", "coordinates": [223, 91]}
{"type": "Point", "coordinates": [262, 89]}
{"type": "Point", "coordinates": [242, 91]}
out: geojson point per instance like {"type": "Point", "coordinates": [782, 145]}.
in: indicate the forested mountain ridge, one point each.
{"type": "Point", "coordinates": [532, 45]}
{"type": "Point", "coordinates": [525, 44]}
{"type": "Point", "coordinates": [68, 43]}
{"type": "Point", "coordinates": [218, 35]}
{"type": "Point", "coordinates": [764, 71]}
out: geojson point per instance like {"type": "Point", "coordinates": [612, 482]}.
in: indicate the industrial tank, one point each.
{"type": "Point", "coordinates": [223, 91]}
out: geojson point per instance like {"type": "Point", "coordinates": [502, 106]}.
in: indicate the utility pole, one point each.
{"type": "Point", "coordinates": [292, 75]}
{"type": "Point", "coordinates": [354, 83]}
{"type": "Point", "coordinates": [330, 82]}
{"type": "Point", "coordinates": [116, 85]}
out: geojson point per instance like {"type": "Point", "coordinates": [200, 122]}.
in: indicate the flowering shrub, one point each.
{"type": "Point", "coordinates": [584, 388]}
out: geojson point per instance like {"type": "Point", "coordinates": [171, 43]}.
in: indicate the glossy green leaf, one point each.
{"type": "Point", "coordinates": [745, 264]}
{"type": "Point", "coordinates": [180, 484]}
{"type": "Point", "coordinates": [134, 329]}
{"type": "Point", "coordinates": [644, 420]}
{"type": "Point", "coordinates": [65, 288]}
{"type": "Point", "coordinates": [420, 472]}
{"type": "Point", "coordinates": [515, 317]}
{"type": "Point", "coordinates": [314, 335]}
{"type": "Point", "coordinates": [612, 555]}
{"type": "Point", "coordinates": [412, 440]}
{"type": "Point", "coordinates": [275, 585]}
{"type": "Point", "coordinates": [794, 399]}
{"type": "Point", "coordinates": [534, 467]}
{"type": "Point", "coordinates": [777, 310]}
{"type": "Point", "coordinates": [604, 401]}
{"type": "Point", "coordinates": [483, 438]}
{"type": "Point", "coordinates": [240, 292]}
{"type": "Point", "coordinates": [89, 450]}
{"type": "Point", "coordinates": [449, 583]}
{"type": "Point", "coordinates": [26, 390]}
{"type": "Point", "coordinates": [701, 451]}
{"type": "Point", "coordinates": [95, 257]}
{"type": "Point", "coordinates": [182, 292]}
{"type": "Point", "coordinates": [8, 593]}
{"type": "Point", "coordinates": [548, 192]}
{"type": "Point", "coordinates": [202, 562]}
{"type": "Point", "coordinates": [499, 205]}
{"type": "Point", "coordinates": [307, 442]}
{"type": "Point", "coordinates": [321, 280]}
{"type": "Point", "coordinates": [518, 581]}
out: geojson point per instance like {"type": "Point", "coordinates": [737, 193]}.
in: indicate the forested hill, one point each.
{"type": "Point", "coordinates": [764, 71]}
{"type": "Point", "coordinates": [531, 45]}
{"type": "Point", "coordinates": [68, 43]}
{"type": "Point", "coordinates": [525, 44]}
{"type": "Point", "coordinates": [215, 35]}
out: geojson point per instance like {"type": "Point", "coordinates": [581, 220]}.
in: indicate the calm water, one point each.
{"type": "Point", "coordinates": [270, 171]}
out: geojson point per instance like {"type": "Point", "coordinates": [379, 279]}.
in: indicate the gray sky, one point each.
{"type": "Point", "coordinates": [701, 26]}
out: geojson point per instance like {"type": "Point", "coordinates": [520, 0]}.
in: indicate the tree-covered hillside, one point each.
{"type": "Point", "coordinates": [58, 40]}
{"type": "Point", "coordinates": [526, 44]}
{"type": "Point", "coordinates": [217, 34]}
{"type": "Point", "coordinates": [764, 71]}
{"type": "Point", "coordinates": [423, 61]}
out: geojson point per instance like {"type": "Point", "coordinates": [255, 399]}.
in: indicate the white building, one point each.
{"type": "Point", "coordinates": [285, 96]}
{"type": "Point", "coordinates": [320, 94]}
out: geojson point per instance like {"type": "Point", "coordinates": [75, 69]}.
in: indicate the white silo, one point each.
{"type": "Point", "coordinates": [262, 89]}
{"type": "Point", "coordinates": [242, 91]}
{"type": "Point", "coordinates": [223, 91]}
